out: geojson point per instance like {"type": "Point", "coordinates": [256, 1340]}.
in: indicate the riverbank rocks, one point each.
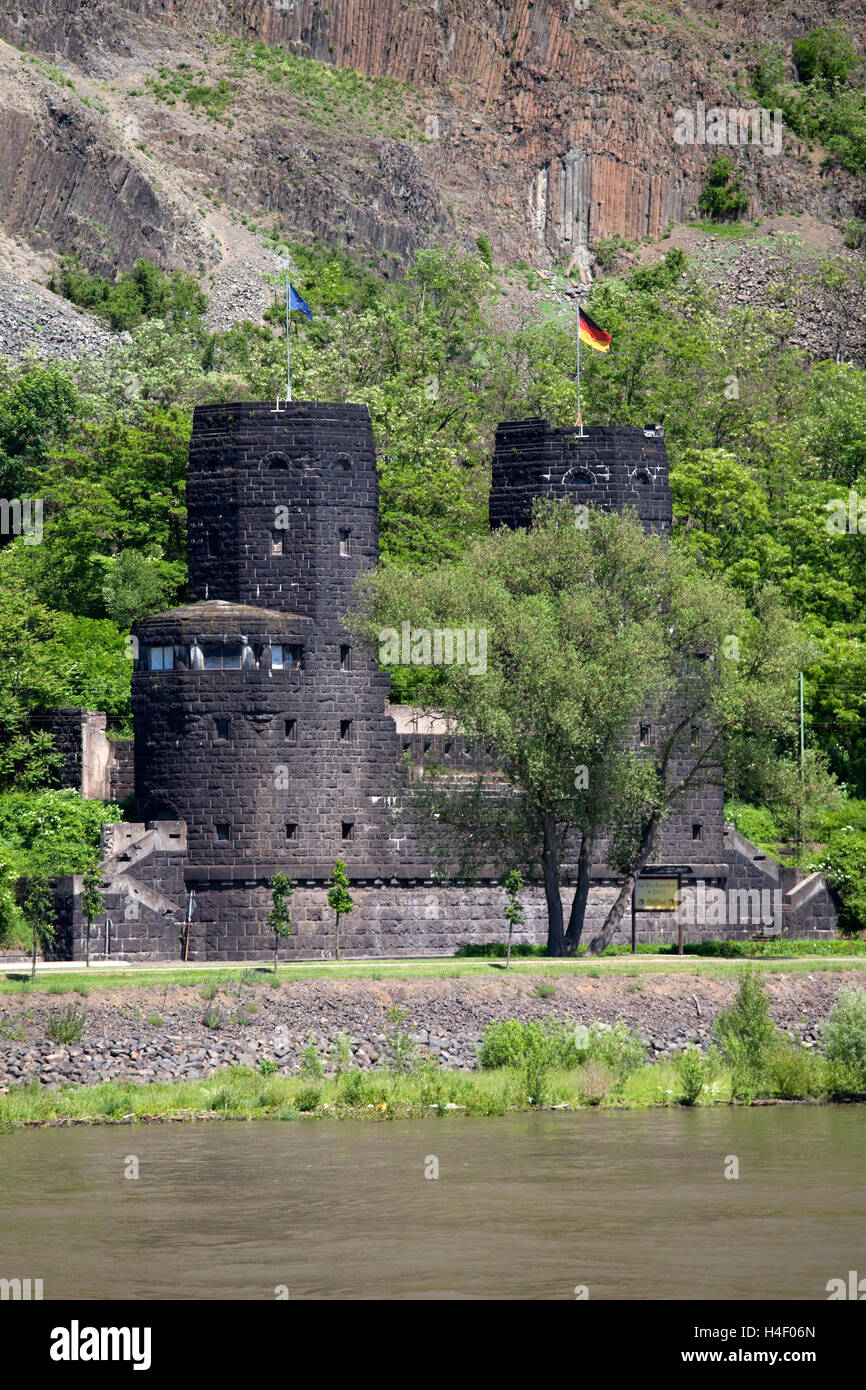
{"type": "Point", "coordinates": [142, 1035]}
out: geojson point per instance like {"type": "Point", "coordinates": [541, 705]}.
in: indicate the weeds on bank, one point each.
{"type": "Point", "coordinates": [523, 1065]}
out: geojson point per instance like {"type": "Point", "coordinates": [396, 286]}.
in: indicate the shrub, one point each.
{"type": "Point", "coordinates": [268, 1067]}
{"type": "Point", "coordinates": [617, 1048]}
{"type": "Point", "coordinates": [747, 1036]}
{"type": "Point", "coordinates": [66, 1024]}
{"type": "Point", "coordinates": [497, 949]}
{"type": "Point", "coordinates": [844, 863]}
{"type": "Point", "coordinates": [213, 1016]}
{"type": "Point", "coordinates": [485, 250]}
{"type": "Point", "coordinates": [352, 1085]}
{"type": "Point", "coordinates": [404, 1050]}
{"type": "Point", "coordinates": [844, 1036]}
{"type": "Point", "coordinates": [341, 1053]}
{"type": "Point", "coordinates": [311, 1062]}
{"type": "Point", "coordinates": [722, 199]}
{"type": "Point", "coordinates": [502, 1044]}
{"type": "Point", "coordinates": [826, 56]}
{"type": "Point", "coordinates": [539, 1057]}
{"type": "Point", "coordinates": [594, 1083]}
{"type": "Point", "coordinates": [608, 250]}
{"type": "Point", "coordinates": [791, 1072]}
{"type": "Point", "coordinates": [545, 989]}
{"type": "Point", "coordinates": [510, 1042]}
{"type": "Point", "coordinates": [155, 1020]}
{"type": "Point", "coordinates": [308, 1098]}
{"type": "Point", "coordinates": [141, 293]}
{"type": "Point", "coordinates": [692, 1072]}
{"type": "Point", "coordinates": [223, 1098]}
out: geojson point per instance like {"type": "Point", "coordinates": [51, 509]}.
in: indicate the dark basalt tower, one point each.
{"type": "Point", "coordinates": [257, 720]}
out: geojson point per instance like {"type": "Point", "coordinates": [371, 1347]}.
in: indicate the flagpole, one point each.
{"type": "Point", "coordinates": [579, 412]}
{"type": "Point", "coordinates": [288, 364]}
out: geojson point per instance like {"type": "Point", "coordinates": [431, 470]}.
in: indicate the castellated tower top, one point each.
{"type": "Point", "coordinates": [612, 467]}
{"type": "Point", "coordinates": [283, 505]}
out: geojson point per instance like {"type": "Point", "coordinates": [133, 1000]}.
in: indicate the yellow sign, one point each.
{"type": "Point", "coordinates": [656, 894]}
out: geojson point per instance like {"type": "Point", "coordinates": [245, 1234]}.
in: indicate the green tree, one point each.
{"type": "Point", "coordinates": [145, 292]}
{"type": "Point", "coordinates": [27, 682]}
{"type": "Point", "coordinates": [514, 914]}
{"type": "Point", "coordinates": [732, 687]}
{"type": "Point", "coordinates": [800, 795]}
{"type": "Point", "coordinates": [92, 902]}
{"type": "Point", "coordinates": [38, 407]}
{"type": "Point", "coordinates": [133, 587]}
{"type": "Point", "coordinates": [746, 1034]}
{"type": "Point", "coordinates": [38, 908]}
{"type": "Point", "coordinates": [54, 831]}
{"type": "Point", "coordinates": [825, 55]}
{"type": "Point", "coordinates": [588, 628]}
{"type": "Point", "coordinates": [339, 900]}
{"type": "Point", "coordinates": [845, 1043]}
{"type": "Point", "coordinates": [279, 918]}
{"type": "Point", "coordinates": [570, 615]}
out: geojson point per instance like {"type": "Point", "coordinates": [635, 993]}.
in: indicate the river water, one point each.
{"type": "Point", "coordinates": [628, 1204]}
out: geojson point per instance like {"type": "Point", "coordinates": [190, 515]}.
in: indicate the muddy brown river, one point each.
{"type": "Point", "coordinates": [630, 1205]}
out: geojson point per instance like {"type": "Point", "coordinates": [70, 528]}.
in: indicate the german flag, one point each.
{"type": "Point", "coordinates": [591, 334]}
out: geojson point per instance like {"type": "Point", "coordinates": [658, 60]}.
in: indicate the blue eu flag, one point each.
{"type": "Point", "coordinates": [296, 302]}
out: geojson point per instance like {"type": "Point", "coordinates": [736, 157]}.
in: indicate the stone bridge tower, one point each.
{"type": "Point", "coordinates": [258, 722]}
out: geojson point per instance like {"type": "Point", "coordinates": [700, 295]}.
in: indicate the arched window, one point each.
{"type": "Point", "coordinates": [276, 463]}
{"type": "Point", "coordinates": [580, 476]}
{"type": "Point", "coordinates": [343, 463]}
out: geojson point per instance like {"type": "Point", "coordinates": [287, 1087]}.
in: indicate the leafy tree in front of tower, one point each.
{"type": "Point", "coordinates": [279, 918]}
{"type": "Point", "coordinates": [38, 906]}
{"type": "Point", "coordinates": [339, 900]}
{"type": "Point", "coordinates": [92, 903]}
{"type": "Point", "coordinates": [514, 914]}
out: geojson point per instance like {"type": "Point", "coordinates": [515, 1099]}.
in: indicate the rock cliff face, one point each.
{"type": "Point", "coordinates": [546, 124]}
{"type": "Point", "coordinates": [67, 180]}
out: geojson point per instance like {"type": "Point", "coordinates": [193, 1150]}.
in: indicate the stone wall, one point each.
{"type": "Point", "coordinates": [398, 917]}
{"type": "Point", "coordinates": [99, 768]}
{"type": "Point", "coordinates": [121, 768]}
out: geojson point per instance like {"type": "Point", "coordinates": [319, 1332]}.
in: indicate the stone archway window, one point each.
{"type": "Point", "coordinates": [642, 475]}
{"type": "Point", "coordinates": [277, 463]}
{"type": "Point", "coordinates": [343, 463]}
